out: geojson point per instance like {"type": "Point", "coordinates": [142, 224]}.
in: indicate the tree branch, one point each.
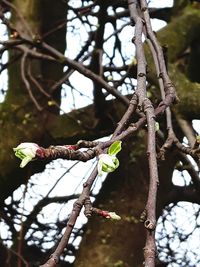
{"type": "Point", "coordinates": [183, 193]}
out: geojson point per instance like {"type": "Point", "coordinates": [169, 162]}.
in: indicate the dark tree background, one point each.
{"type": "Point", "coordinates": [39, 76]}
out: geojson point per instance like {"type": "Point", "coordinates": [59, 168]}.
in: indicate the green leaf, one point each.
{"type": "Point", "coordinates": [114, 148]}
{"type": "Point", "coordinates": [109, 168]}
{"type": "Point", "coordinates": [25, 161]}
{"type": "Point", "coordinates": [107, 163]}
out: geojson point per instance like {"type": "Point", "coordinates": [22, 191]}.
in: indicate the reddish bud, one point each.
{"type": "Point", "coordinates": [40, 153]}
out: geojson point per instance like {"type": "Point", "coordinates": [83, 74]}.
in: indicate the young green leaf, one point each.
{"type": "Point", "coordinates": [107, 163]}
{"type": "Point", "coordinates": [114, 148]}
{"type": "Point", "coordinates": [26, 152]}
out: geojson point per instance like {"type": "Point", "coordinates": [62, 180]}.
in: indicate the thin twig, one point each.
{"type": "Point", "coordinates": [86, 72]}
{"type": "Point", "coordinates": [26, 82]}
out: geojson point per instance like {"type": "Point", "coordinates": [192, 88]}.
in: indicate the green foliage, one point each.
{"type": "Point", "coordinates": [109, 162]}
{"type": "Point", "coordinates": [26, 152]}
{"type": "Point", "coordinates": [115, 148]}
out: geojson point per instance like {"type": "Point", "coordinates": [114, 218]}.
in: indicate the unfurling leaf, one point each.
{"type": "Point", "coordinates": [115, 148]}
{"type": "Point", "coordinates": [113, 216]}
{"type": "Point", "coordinates": [26, 152]}
{"type": "Point", "coordinates": [107, 163]}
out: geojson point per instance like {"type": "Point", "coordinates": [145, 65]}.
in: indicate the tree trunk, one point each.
{"type": "Point", "coordinates": [21, 121]}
